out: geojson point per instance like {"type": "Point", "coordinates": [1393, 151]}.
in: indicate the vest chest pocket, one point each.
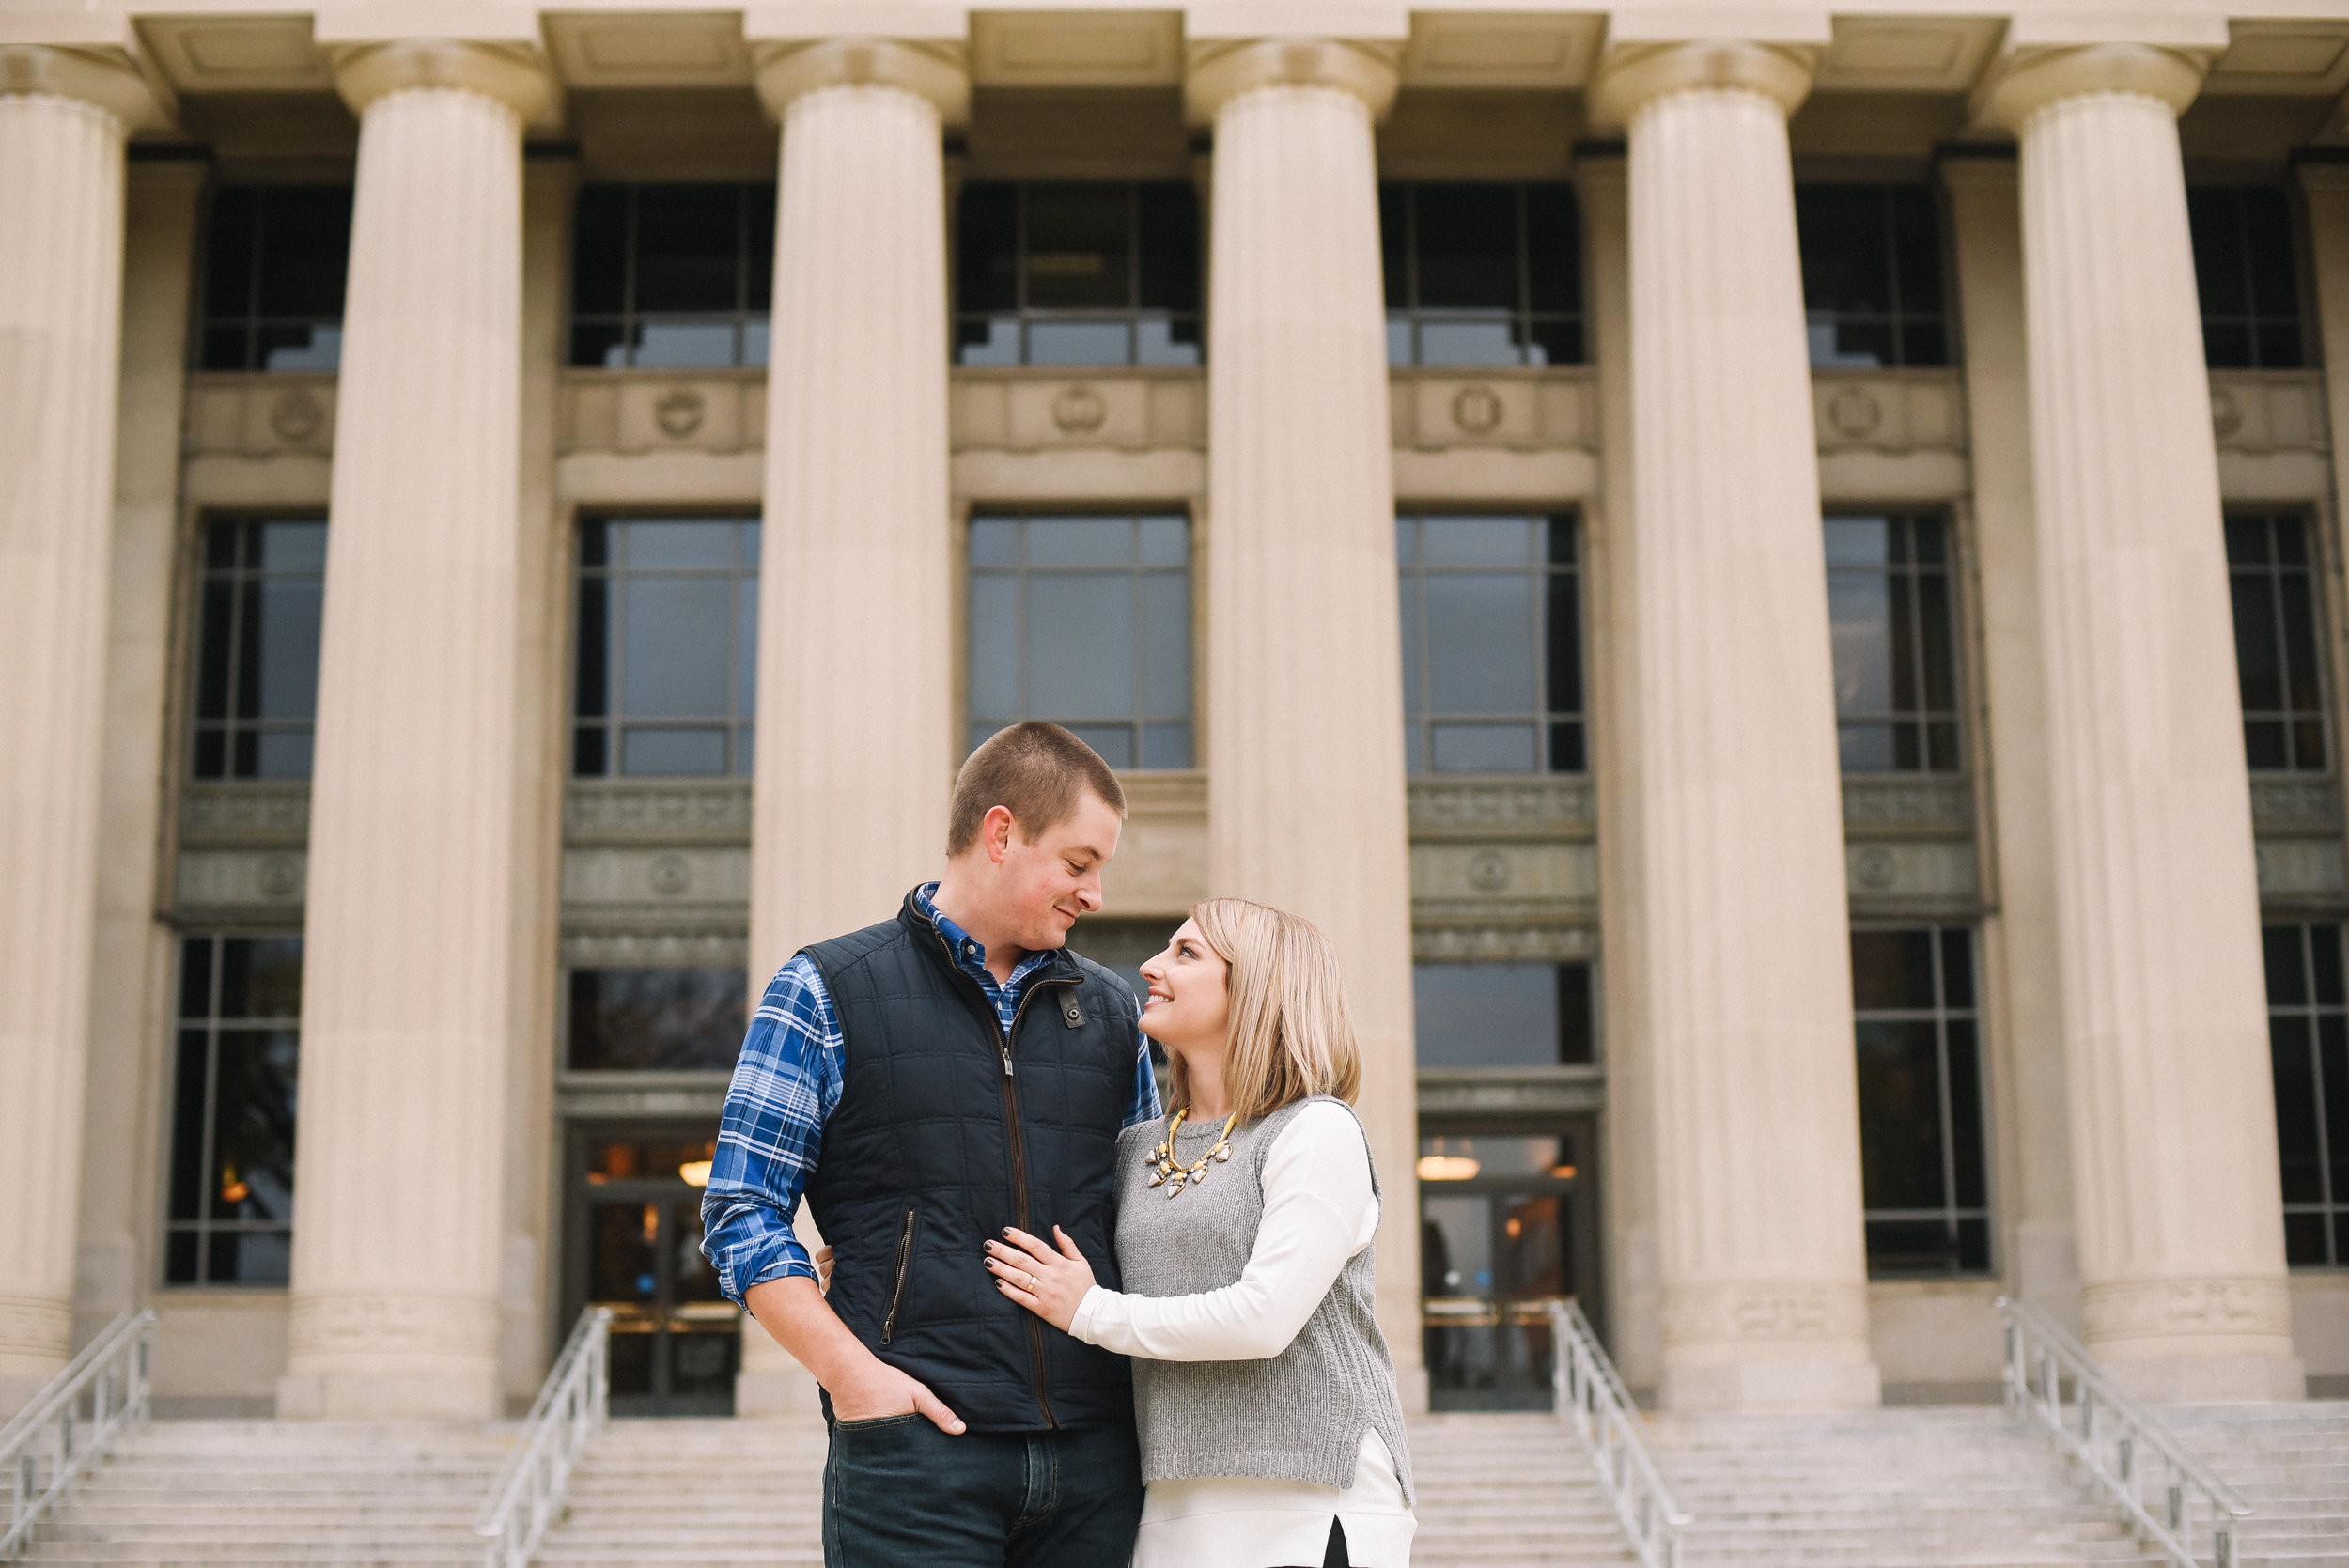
{"type": "Point", "coordinates": [905, 1267]}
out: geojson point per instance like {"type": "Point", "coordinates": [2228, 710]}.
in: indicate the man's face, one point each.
{"type": "Point", "coordinates": [1045, 885]}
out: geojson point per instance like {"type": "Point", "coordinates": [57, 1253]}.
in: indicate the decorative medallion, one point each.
{"type": "Point", "coordinates": [1874, 869]}
{"type": "Point", "coordinates": [1476, 409]}
{"type": "Point", "coordinates": [280, 877]}
{"type": "Point", "coordinates": [1489, 872]}
{"type": "Point", "coordinates": [2226, 414]}
{"type": "Point", "coordinates": [680, 413]}
{"type": "Point", "coordinates": [298, 415]}
{"type": "Point", "coordinates": [1079, 411]}
{"type": "Point", "coordinates": [1854, 414]}
{"type": "Point", "coordinates": [671, 875]}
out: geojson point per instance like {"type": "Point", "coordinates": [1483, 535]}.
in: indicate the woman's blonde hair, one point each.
{"type": "Point", "coordinates": [1287, 1036]}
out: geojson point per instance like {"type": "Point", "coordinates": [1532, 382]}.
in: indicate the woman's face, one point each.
{"type": "Point", "coordinates": [1188, 1004]}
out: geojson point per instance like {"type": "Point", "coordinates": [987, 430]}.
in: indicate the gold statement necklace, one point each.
{"type": "Point", "coordinates": [1176, 1176]}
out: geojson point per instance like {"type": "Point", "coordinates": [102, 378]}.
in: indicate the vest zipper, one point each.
{"type": "Point", "coordinates": [905, 1265]}
{"type": "Point", "coordinates": [1018, 1164]}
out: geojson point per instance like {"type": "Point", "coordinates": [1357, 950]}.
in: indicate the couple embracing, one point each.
{"type": "Point", "coordinates": [1064, 1328]}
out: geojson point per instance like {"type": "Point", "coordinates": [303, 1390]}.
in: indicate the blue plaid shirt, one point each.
{"type": "Point", "coordinates": [786, 1083]}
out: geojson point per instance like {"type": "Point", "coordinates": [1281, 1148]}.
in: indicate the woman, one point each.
{"type": "Point", "coordinates": [1271, 1435]}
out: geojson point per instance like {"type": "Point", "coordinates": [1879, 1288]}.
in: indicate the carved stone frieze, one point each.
{"type": "Point", "coordinates": [1756, 1312]}
{"type": "Point", "coordinates": [259, 414]}
{"type": "Point", "coordinates": [698, 875]}
{"type": "Point", "coordinates": [2160, 1309]}
{"type": "Point", "coordinates": [244, 813]}
{"type": "Point", "coordinates": [655, 949]}
{"type": "Point", "coordinates": [1554, 1091]}
{"type": "Point", "coordinates": [2269, 410]}
{"type": "Point", "coordinates": [2288, 807]}
{"type": "Point", "coordinates": [1557, 880]}
{"type": "Point", "coordinates": [1503, 944]}
{"type": "Point", "coordinates": [1894, 806]}
{"type": "Point", "coordinates": [1022, 410]}
{"type": "Point", "coordinates": [1521, 409]}
{"type": "Point", "coordinates": [658, 411]}
{"type": "Point", "coordinates": [240, 878]}
{"type": "Point", "coordinates": [1507, 808]}
{"type": "Point", "coordinates": [2301, 870]}
{"type": "Point", "coordinates": [1888, 410]}
{"type": "Point", "coordinates": [1933, 874]}
{"type": "Point", "coordinates": [716, 812]}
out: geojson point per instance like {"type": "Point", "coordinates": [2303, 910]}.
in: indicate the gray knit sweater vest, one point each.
{"type": "Point", "coordinates": [1297, 1417]}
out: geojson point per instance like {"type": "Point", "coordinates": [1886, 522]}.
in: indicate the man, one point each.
{"type": "Point", "coordinates": [927, 1083]}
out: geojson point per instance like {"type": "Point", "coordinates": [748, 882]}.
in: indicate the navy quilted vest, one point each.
{"type": "Point", "coordinates": [946, 1132]}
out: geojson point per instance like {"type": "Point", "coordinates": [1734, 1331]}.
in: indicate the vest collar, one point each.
{"type": "Point", "coordinates": [1059, 970]}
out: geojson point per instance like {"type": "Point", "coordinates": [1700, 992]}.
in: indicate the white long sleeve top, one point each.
{"type": "Point", "coordinates": [1319, 1211]}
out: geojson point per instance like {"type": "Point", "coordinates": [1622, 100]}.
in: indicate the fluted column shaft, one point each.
{"type": "Point", "coordinates": [1744, 967]}
{"type": "Point", "coordinates": [61, 180]}
{"type": "Point", "coordinates": [1304, 755]}
{"type": "Point", "coordinates": [857, 559]}
{"type": "Point", "coordinates": [409, 924]}
{"type": "Point", "coordinates": [2156, 897]}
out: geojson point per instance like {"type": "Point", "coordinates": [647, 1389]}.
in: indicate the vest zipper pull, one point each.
{"type": "Point", "coordinates": [1007, 1062]}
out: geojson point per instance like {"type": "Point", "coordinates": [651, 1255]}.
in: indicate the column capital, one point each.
{"type": "Point", "coordinates": [511, 74]}
{"type": "Point", "coordinates": [2029, 80]}
{"type": "Point", "coordinates": [932, 68]}
{"type": "Point", "coordinates": [103, 78]}
{"type": "Point", "coordinates": [1635, 76]}
{"type": "Point", "coordinates": [1224, 68]}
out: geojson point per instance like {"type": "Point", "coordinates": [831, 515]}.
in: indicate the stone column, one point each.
{"type": "Point", "coordinates": [2156, 899]}
{"type": "Point", "coordinates": [1743, 958]}
{"type": "Point", "coordinates": [848, 801]}
{"type": "Point", "coordinates": [410, 932]}
{"type": "Point", "coordinates": [2021, 986]}
{"type": "Point", "coordinates": [64, 115]}
{"type": "Point", "coordinates": [1304, 711]}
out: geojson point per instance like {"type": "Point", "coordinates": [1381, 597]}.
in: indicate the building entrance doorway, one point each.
{"type": "Point", "coordinates": [1508, 1226]}
{"type": "Point", "coordinates": [634, 1244]}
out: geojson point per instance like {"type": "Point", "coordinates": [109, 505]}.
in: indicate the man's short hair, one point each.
{"type": "Point", "coordinates": [1038, 772]}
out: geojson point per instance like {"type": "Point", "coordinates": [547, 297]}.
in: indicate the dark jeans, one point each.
{"type": "Point", "coordinates": [899, 1493]}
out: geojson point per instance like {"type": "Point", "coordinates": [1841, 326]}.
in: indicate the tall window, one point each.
{"type": "Point", "coordinates": [1077, 272]}
{"type": "Point", "coordinates": [1872, 277]}
{"type": "Point", "coordinates": [668, 647]}
{"type": "Point", "coordinates": [1889, 609]}
{"type": "Point", "coordinates": [2277, 656]}
{"type": "Point", "coordinates": [2307, 1036]}
{"type": "Point", "coordinates": [1503, 1014]}
{"type": "Point", "coordinates": [1921, 1125]}
{"type": "Point", "coordinates": [256, 677]}
{"type": "Point", "coordinates": [1482, 273]}
{"type": "Point", "coordinates": [1084, 621]}
{"type": "Point", "coordinates": [663, 1021]}
{"type": "Point", "coordinates": [232, 1115]}
{"type": "Point", "coordinates": [1492, 644]}
{"type": "Point", "coordinates": [274, 257]}
{"type": "Point", "coordinates": [672, 277]}
{"type": "Point", "coordinates": [2246, 268]}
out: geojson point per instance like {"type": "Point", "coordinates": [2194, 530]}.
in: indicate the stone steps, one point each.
{"type": "Point", "coordinates": [2291, 1464]}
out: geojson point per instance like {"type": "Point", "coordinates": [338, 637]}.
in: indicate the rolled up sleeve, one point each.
{"type": "Point", "coordinates": [786, 1084]}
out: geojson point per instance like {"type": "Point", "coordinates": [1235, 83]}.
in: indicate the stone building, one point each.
{"type": "Point", "coordinates": [1773, 577]}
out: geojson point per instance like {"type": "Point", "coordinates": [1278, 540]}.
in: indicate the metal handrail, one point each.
{"type": "Point", "coordinates": [72, 1422]}
{"type": "Point", "coordinates": [2117, 1441]}
{"type": "Point", "coordinates": [571, 1405]}
{"type": "Point", "coordinates": [1591, 1398]}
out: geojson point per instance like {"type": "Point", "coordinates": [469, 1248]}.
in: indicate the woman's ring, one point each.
{"type": "Point", "coordinates": [1030, 1279]}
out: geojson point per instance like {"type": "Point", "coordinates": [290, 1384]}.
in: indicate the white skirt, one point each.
{"type": "Point", "coordinates": [1249, 1522]}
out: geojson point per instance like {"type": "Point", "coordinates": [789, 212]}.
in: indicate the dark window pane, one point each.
{"type": "Point", "coordinates": [179, 1258]}
{"type": "Point", "coordinates": [231, 234]}
{"type": "Point", "coordinates": [215, 658]}
{"type": "Point", "coordinates": [1468, 247]}
{"type": "Point", "coordinates": [2298, 1137]}
{"type": "Point", "coordinates": [2214, 218]}
{"type": "Point", "coordinates": [252, 1125]}
{"type": "Point", "coordinates": [987, 272]}
{"type": "Point", "coordinates": [1965, 1117]}
{"type": "Point", "coordinates": [1917, 249]}
{"type": "Point", "coordinates": [1577, 1021]}
{"type": "Point", "coordinates": [188, 1124]}
{"type": "Point", "coordinates": [1553, 251]}
{"type": "Point", "coordinates": [599, 345]}
{"type": "Point", "coordinates": [1489, 1014]}
{"type": "Point", "coordinates": [758, 249]}
{"type": "Point", "coordinates": [1169, 245]}
{"type": "Point", "coordinates": [593, 677]}
{"type": "Point", "coordinates": [2325, 964]}
{"type": "Point", "coordinates": [1845, 256]}
{"type": "Point", "coordinates": [688, 247]}
{"type": "Point", "coordinates": [655, 1020]}
{"type": "Point", "coordinates": [250, 1257]}
{"type": "Point", "coordinates": [2269, 260]}
{"type": "Point", "coordinates": [2304, 1240]}
{"type": "Point", "coordinates": [1900, 1115]}
{"type": "Point", "coordinates": [1078, 251]}
{"type": "Point", "coordinates": [599, 253]}
{"type": "Point", "coordinates": [1892, 970]}
{"type": "Point", "coordinates": [305, 251]}
{"type": "Point", "coordinates": [1395, 242]}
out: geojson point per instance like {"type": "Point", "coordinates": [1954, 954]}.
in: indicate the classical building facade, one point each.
{"type": "Point", "coordinates": [1773, 577]}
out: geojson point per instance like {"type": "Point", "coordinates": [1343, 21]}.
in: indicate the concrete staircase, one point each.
{"type": "Point", "coordinates": [1951, 1487]}
{"type": "Point", "coordinates": [2291, 1464]}
{"type": "Point", "coordinates": [253, 1492]}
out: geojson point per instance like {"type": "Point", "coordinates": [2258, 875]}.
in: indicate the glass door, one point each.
{"type": "Point", "coordinates": [635, 1246]}
{"type": "Point", "coordinates": [1506, 1232]}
